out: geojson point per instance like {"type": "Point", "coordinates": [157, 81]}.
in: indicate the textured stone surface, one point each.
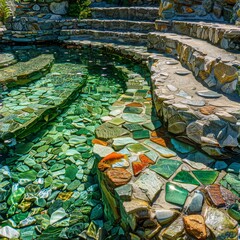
{"type": "Point", "coordinates": [195, 226]}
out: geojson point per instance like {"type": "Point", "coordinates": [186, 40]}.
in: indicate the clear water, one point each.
{"type": "Point", "coordinates": [49, 187]}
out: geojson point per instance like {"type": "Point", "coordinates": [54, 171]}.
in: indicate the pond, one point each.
{"type": "Point", "coordinates": [84, 154]}
{"type": "Point", "coordinates": [49, 186]}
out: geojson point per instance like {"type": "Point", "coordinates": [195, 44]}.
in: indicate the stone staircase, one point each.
{"type": "Point", "coordinates": [115, 23]}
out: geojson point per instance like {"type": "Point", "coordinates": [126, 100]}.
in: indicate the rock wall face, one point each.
{"type": "Point", "coordinates": [227, 10]}
{"type": "Point", "coordinates": [43, 8]}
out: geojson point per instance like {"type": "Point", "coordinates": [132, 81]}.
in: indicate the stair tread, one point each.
{"type": "Point", "coordinates": [202, 46]}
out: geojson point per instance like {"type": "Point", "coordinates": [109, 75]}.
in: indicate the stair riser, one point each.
{"type": "Point", "coordinates": [136, 14]}
{"type": "Point", "coordinates": [117, 26]}
{"type": "Point", "coordinates": [203, 66]}
{"type": "Point", "coordinates": [105, 36]}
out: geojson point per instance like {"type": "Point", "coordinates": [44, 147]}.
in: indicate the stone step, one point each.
{"type": "Point", "coordinates": [216, 67]}
{"type": "Point", "coordinates": [25, 72]}
{"type": "Point", "coordinates": [225, 36]}
{"type": "Point", "coordinates": [108, 36]}
{"type": "Point", "coordinates": [117, 25]}
{"type": "Point", "coordinates": [127, 13]}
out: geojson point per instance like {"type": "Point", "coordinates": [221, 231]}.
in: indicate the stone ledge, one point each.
{"type": "Point", "coordinates": [216, 67]}
{"type": "Point", "coordinates": [147, 199]}
{"type": "Point", "coordinates": [25, 72]}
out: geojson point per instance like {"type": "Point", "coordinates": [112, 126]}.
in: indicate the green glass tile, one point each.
{"type": "Point", "coordinates": [137, 148]}
{"type": "Point", "coordinates": [185, 177]}
{"type": "Point", "coordinates": [132, 127]}
{"type": "Point", "coordinates": [117, 121]}
{"type": "Point", "coordinates": [152, 125]}
{"type": "Point", "coordinates": [166, 167]}
{"type": "Point", "coordinates": [135, 110]}
{"type": "Point", "coordinates": [206, 177]}
{"type": "Point", "coordinates": [141, 134]}
{"type": "Point", "coordinates": [175, 194]}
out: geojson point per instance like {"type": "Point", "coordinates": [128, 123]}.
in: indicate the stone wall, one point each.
{"type": "Point", "coordinates": [128, 2]}
{"type": "Point", "coordinates": [43, 9]}
{"type": "Point", "coordinates": [226, 10]}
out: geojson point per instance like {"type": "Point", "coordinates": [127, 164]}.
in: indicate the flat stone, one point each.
{"type": "Point", "coordinates": [185, 177]}
{"type": "Point", "coordinates": [215, 195]}
{"type": "Point", "coordinates": [226, 116]}
{"type": "Point", "coordinates": [209, 94]}
{"type": "Point", "coordinates": [195, 226]}
{"type": "Point", "coordinates": [221, 225]}
{"type": "Point", "coordinates": [118, 176]}
{"type": "Point", "coordinates": [102, 151]}
{"type": "Point", "coordinates": [172, 88]}
{"type": "Point", "coordinates": [150, 184]}
{"type": "Point", "coordinates": [196, 203]}
{"type": "Point", "coordinates": [175, 194]}
{"type": "Point", "coordinates": [225, 73]}
{"type": "Point", "coordinates": [172, 62]}
{"type": "Point", "coordinates": [182, 72]}
{"type": "Point", "coordinates": [195, 103]}
{"type": "Point", "coordinates": [206, 177]}
{"type": "Point", "coordinates": [166, 167]}
{"type": "Point", "coordinates": [124, 192]}
{"type": "Point", "coordinates": [135, 205]}
{"type": "Point", "coordinates": [165, 152]}
{"type": "Point", "coordinates": [181, 147]}
{"type": "Point", "coordinates": [207, 110]}
{"type": "Point", "coordinates": [165, 216]}
{"type": "Point", "coordinates": [175, 230]}
{"type": "Point", "coordinates": [119, 143]}
{"type": "Point", "coordinates": [229, 197]}
{"type": "Point", "coordinates": [59, 8]}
